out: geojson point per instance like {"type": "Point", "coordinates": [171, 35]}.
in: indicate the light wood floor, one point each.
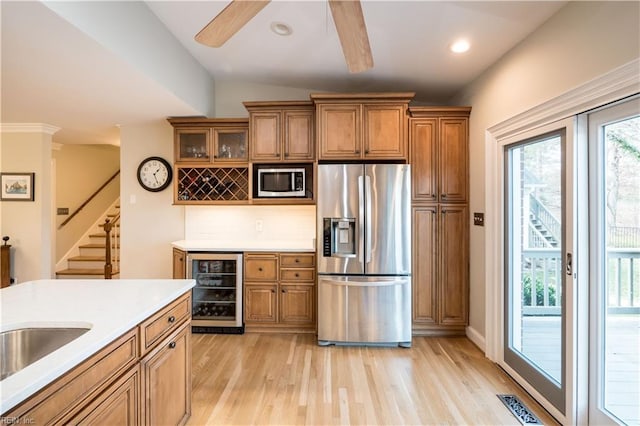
{"type": "Point", "coordinates": [287, 379]}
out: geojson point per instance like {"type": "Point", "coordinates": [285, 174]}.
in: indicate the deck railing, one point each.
{"type": "Point", "coordinates": [541, 277]}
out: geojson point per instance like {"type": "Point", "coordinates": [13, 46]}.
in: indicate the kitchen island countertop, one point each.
{"type": "Point", "coordinates": [246, 245]}
{"type": "Point", "coordinates": [109, 307]}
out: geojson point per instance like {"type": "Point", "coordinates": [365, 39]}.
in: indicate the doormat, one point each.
{"type": "Point", "coordinates": [519, 410]}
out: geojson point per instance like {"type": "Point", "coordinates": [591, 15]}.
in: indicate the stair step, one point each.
{"type": "Point", "coordinates": [103, 235]}
{"type": "Point", "coordinates": [96, 245]}
{"type": "Point", "coordinates": [82, 271]}
{"type": "Point", "coordinates": [79, 273]}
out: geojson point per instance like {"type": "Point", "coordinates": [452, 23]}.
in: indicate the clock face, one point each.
{"type": "Point", "coordinates": [154, 174]}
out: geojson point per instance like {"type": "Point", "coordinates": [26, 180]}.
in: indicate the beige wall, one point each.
{"type": "Point", "coordinates": [80, 171]}
{"type": "Point", "coordinates": [231, 94]}
{"type": "Point", "coordinates": [29, 223]}
{"type": "Point", "coordinates": [582, 41]}
{"type": "Point", "coordinates": [149, 220]}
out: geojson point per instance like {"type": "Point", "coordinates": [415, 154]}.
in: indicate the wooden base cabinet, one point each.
{"type": "Point", "coordinates": [179, 264]}
{"type": "Point", "coordinates": [166, 372]}
{"type": "Point", "coordinates": [141, 378]}
{"type": "Point", "coordinates": [120, 405]}
{"type": "Point", "coordinates": [280, 292]}
{"type": "Point", "coordinates": [440, 269]}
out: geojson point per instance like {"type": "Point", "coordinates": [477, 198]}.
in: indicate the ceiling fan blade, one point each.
{"type": "Point", "coordinates": [352, 31]}
{"type": "Point", "coordinates": [229, 21]}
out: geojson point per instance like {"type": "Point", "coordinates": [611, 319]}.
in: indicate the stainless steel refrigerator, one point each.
{"type": "Point", "coordinates": [364, 254]}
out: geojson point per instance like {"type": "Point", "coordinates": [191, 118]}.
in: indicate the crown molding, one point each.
{"type": "Point", "coordinates": [617, 84]}
{"type": "Point", "coordinates": [28, 128]}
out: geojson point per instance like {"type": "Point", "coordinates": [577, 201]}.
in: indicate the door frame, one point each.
{"type": "Point", "coordinates": [619, 83]}
{"type": "Point", "coordinates": [593, 121]}
{"type": "Point", "coordinates": [571, 183]}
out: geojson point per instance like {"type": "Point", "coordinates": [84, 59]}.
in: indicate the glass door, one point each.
{"type": "Point", "coordinates": [217, 295]}
{"type": "Point", "coordinates": [538, 260]}
{"type": "Point", "coordinates": [614, 334]}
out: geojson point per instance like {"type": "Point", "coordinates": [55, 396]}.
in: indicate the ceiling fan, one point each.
{"type": "Point", "coordinates": [347, 15]}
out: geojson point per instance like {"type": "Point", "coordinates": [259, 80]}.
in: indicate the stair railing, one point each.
{"type": "Point", "coordinates": [546, 218]}
{"type": "Point", "coordinates": [88, 200]}
{"type": "Point", "coordinates": [112, 247]}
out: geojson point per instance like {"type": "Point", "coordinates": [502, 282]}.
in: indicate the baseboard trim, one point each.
{"type": "Point", "coordinates": [476, 338]}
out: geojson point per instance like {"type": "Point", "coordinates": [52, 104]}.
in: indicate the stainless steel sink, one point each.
{"type": "Point", "coordinates": [24, 346]}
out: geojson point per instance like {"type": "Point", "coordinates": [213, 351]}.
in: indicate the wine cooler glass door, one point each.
{"type": "Point", "coordinates": [217, 296]}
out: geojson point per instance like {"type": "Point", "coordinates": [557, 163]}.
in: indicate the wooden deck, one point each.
{"type": "Point", "coordinates": [541, 343]}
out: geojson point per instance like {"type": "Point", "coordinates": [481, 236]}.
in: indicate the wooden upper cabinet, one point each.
{"type": "Point", "coordinates": [206, 141]}
{"type": "Point", "coordinates": [385, 131]}
{"type": "Point", "coordinates": [454, 160]}
{"type": "Point", "coordinates": [423, 136]}
{"type": "Point", "coordinates": [439, 154]}
{"type": "Point", "coordinates": [298, 135]}
{"type": "Point", "coordinates": [362, 126]}
{"type": "Point", "coordinates": [338, 131]}
{"type": "Point", "coordinates": [281, 131]}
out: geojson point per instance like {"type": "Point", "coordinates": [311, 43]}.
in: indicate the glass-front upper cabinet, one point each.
{"type": "Point", "coordinates": [193, 145]}
{"type": "Point", "coordinates": [210, 140]}
{"type": "Point", "coordinates": [230, 144]}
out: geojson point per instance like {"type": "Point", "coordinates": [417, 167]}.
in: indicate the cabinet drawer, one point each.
{"type": "Point", "coordinates": [298, 260]}
{"type": "Point", "coordinates": [261, 268]}
{"type": "Point", "coordinates": [65, 396]}
{"type": "Point", "coordinates": [163, 323]}
{"type": "Point", "coordinates": [297, 274]}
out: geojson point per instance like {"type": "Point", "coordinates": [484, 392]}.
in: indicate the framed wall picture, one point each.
{"type": "Point", "coordinates": [16, 186]}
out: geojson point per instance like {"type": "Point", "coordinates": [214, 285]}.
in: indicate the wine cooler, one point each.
{"type": "Point", "coordinates": [217, 296]}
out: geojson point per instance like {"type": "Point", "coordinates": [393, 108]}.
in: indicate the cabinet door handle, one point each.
{"type": "Point", "coordinates": [357, 151]}
{"type": "Point", "coordinates": [366, 151]}
{"type": "Point", "coordinates": [171, 319]}
{"type": "Point", "coordinates": [284, 291]}
{"type": "Point", "coordinates": [172, 345]}
{"type": "Point", "coordinates": [286, 154]}
{"type": "Point", "coordinates": [273, 291]}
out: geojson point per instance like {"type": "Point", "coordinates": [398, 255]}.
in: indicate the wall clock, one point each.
{"type": "Point", "coordinates": [154, 174]}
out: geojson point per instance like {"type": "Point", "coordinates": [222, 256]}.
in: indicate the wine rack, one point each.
{"type": "Point", "coordinates": [212, 184]}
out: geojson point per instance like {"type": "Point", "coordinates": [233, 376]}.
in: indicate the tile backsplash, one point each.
{"type": "Point", "coordinates": [250, 223]}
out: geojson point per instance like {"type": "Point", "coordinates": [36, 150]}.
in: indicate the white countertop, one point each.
{"type": "Point", "coordinates": [109, 307]}
{"type": "Point", "coordinates": [246, 245]}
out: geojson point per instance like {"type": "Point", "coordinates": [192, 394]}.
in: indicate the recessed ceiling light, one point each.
{"type": "Point", "coordinates": [460, 46]}
{"type": "Point", "coordinates": [281, 28]}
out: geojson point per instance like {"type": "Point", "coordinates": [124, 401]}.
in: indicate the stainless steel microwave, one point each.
{"type": "Point", "coordinates": [281, 182]}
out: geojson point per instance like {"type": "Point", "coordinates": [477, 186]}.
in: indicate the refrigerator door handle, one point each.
{"type": "Point", "coordinates": [369, 233]}
{"type": "Point", "coordinates": [354, 282]}
{"type": "Point", "coordinates": [361, 217]}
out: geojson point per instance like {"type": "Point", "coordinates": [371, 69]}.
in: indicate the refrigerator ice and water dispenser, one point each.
{"type": "Point", "coordinates": [339, 237]}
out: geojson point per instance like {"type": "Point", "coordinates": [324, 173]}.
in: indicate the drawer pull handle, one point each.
{"type": "Point", "coordinates": [172, 345]}
{"type": "Point", "coordinates": [171, 319]}
{"type": "Point", "coordinates": [297, 275]}
{"type": "Point", "coordinates": [297, 260]}
{"type": "Point", "coordinates": [260, 269]}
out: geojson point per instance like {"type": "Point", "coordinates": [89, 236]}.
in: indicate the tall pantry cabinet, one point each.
{"type": "Point", "coordinates": [439, 158]}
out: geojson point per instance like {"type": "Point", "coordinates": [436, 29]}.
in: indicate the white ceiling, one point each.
{"type": "Point", "coordinates": [54, 73]}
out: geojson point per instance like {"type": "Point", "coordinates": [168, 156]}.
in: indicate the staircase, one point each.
{"type": "Point", "coordinates": [90, 263]}
{"type": "Point", "coordinates": [543, 234]}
